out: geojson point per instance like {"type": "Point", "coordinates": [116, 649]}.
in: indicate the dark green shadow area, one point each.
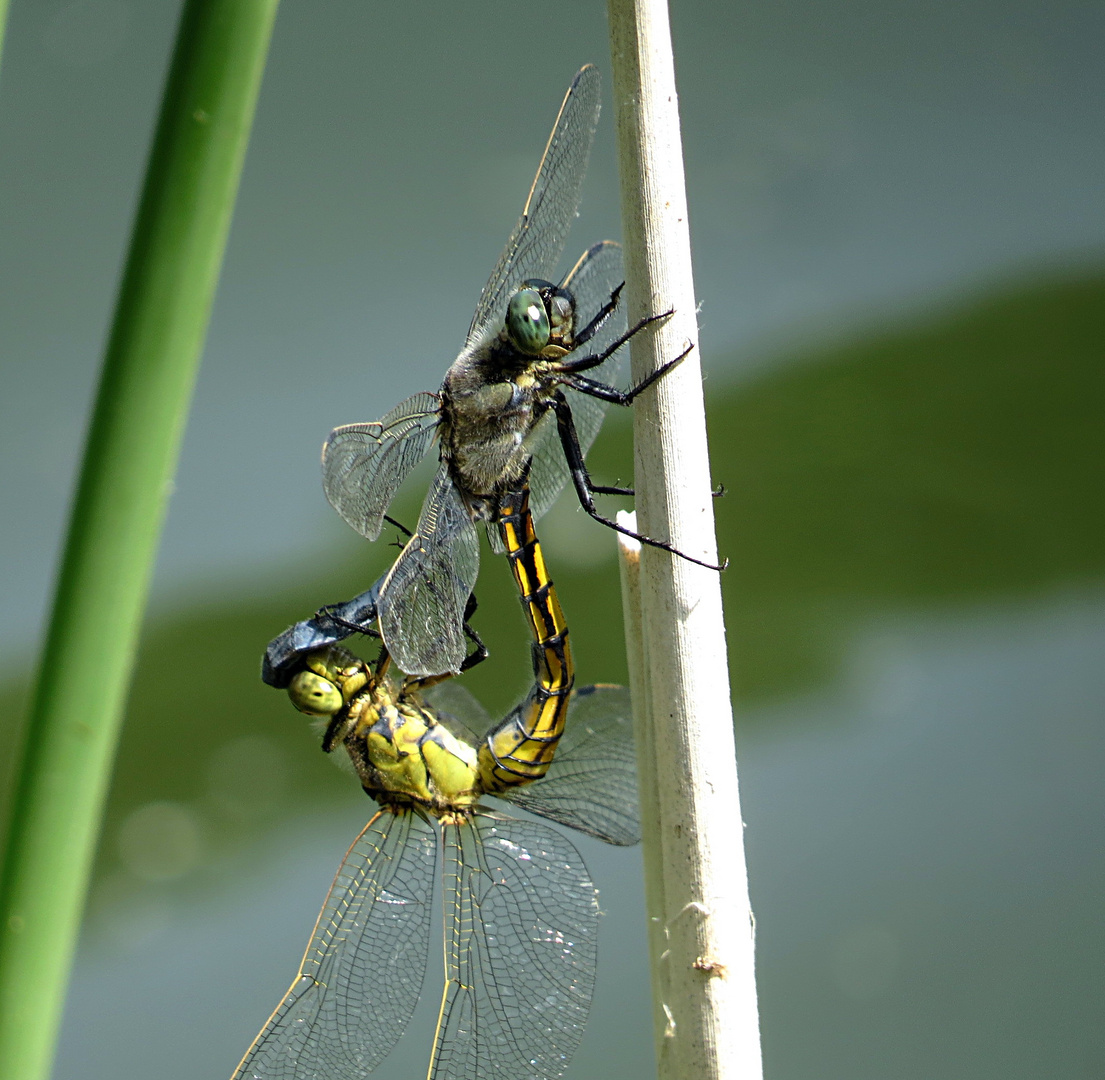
{"type": "Point", "coordinates": [950, 461]}
{"type": "Point", "coordinates": [940, 464]}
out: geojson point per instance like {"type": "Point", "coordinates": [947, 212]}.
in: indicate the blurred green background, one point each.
{"type": "Point", "coordinates": [900, 251]}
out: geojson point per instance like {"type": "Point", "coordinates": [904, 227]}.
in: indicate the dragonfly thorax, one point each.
{"type": "Point", "coordinates": [484, 426]}
{"type": "Point", "coordinates": [403, 754]}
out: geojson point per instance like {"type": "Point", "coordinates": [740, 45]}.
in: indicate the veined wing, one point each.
{"type": "Point", "coordinates": [364, 464]}
{"type": "Point", "coordinates": [458, 710]}
{"type": "Point", "coordinates": [592, 281]}
{"type": "Point", "coordinates": [426, 592]}
{"type": "Point", "coordinates": [535, 246]}
{"type": "Point", "coordinates": [591, 784]}
{"type": "Point", "coordinates": [521, 922]}
{"type": "Point", "coordinates": [362, 972]}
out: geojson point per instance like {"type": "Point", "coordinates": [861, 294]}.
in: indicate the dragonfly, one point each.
{"type": "Point", "coordinates": [515, 406]}
{"type": "Point", "coordinates": [519, 909]}
{"type": "Point", "coordinates": [285, 654]}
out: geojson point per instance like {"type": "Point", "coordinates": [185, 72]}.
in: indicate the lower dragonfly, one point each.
{"type": "Point", "coordinates": [520, 912]}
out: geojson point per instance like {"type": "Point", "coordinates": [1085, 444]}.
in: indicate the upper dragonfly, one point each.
{"type": "Point", "coordinates": [513, 404]}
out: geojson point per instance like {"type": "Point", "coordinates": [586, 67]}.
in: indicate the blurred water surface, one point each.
{"type": "Point", "coordinates": [917, 612]}
{"type": "Point", "coordinates": [898, 234]}
{"type": "Point", "coordinates": [923, 845]}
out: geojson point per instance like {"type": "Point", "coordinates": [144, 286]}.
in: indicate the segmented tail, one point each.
{"type": "Point", "coordinates": [521, 747]}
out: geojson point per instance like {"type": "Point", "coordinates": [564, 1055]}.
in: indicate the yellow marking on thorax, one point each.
{"type": "Point", "coordinates": [392, 747]}
{"type": "Point", "coordinates": [415, 756]}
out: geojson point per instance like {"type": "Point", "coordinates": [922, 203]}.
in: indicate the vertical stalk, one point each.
{"type": "Point", "coordinates": [3, 24]}
{"type": "Point", "coordinates": [629, 552]}
{"type": "Point", "coordinates": [707, 994]}
{"type": "Point", "coordinates": [133, 441]}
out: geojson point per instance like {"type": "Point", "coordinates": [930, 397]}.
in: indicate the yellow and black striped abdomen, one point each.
{"type": "Point", "coordinates": [521, 748]}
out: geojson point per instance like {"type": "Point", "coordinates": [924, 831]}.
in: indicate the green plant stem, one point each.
{"type": "Point", "coordinates": [3, 24]}
{"type": "Point", "coordinates": [133, 442]}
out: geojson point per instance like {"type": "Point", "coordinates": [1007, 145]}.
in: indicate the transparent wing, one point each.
{"type": "Point", "coordinates": [535, 246]}
{"type": "Point", "coordinates": [364, 464]}
{"type": "Point", "coordinates": [521, 925]}
{"type": "Point", "coordinates": [426, 592]}
{"type": "Point", "coordinates": [592, 281]}
{"type": "Point", "coordinates": [458, 710]}
{"type": "Point", "coordinates": [362, 973]}
{"type": "Point", "coordinates": [592, 783]}
{"type": "Point", "coordinates": [331, 625]}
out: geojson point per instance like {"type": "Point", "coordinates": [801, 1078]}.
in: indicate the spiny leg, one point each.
{"type": "Point", "coordinates": [585, 363]}
{"type": "Point", "coordinates": [399, 525]}
{"type": "Point", "coordinates": [584, 488]}
{"type": "Point", "coordinates": [329, 613]}
{"type": "Point", "coordinates": [615, 396]}
{"type": "Point", "coordinates": [605, 312]}
{"type": "Point", "coordinates": [480, 653]}
{"type": "Point", "coordinates": [602, 489]}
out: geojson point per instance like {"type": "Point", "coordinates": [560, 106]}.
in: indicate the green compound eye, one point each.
{"type": "Point", "coordinates": [314, 695]}
{"type": "Point", "coordinates": [527, 322]}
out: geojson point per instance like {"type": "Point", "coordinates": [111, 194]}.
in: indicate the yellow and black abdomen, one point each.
{"type": "Point", "coordinates": [521, 748]}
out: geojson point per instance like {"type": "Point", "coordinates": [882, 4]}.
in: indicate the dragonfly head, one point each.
{"type": "Point", "coordinates": [314, 695]}
{"type": "Point", "coordinates": [527, 321]}
{"type": "Point", "coordinates": [328, 681]}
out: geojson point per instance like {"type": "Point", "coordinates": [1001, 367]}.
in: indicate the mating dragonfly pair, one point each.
{"type": "Point", "coordinates": [513, 419]}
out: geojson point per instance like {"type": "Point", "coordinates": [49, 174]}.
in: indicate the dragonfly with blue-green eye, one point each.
{"type": "Point", "coordinates": [515, 407]}
{"type": "Point", "coordinates": [519, 910]}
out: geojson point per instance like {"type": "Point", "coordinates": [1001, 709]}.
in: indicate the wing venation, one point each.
{"type": "Point", "coordinates": [363, 465]}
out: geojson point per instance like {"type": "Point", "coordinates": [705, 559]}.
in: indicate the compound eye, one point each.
{"type": "Point", "coordinates": [527, 322]}
{"type": "Point", "coordinates": [314, 695]}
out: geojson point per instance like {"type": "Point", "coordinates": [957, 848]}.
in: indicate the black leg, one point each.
{"type": "Point", "coordinates": [622, 397]}
{"type": "Point", "coordinates": [480, 653]}
{"type": "Point", "coordinates": [584, 488]}
{"type": "Point", "coordinates": [585, 363]}
{"type": "Point", "coordinates": [336, 731]}
{"type": "Point", "coordinates": [346, 624]}
{"type": "Point", "coordinates": [477, 656]}
{"type": "Point", "coordinates": [605, 312]}
{"type": "Point", "coordinates": [599, 489]}
{"type": "Point", "coordinates": [399, 525]}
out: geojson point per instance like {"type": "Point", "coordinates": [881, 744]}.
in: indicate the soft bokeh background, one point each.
{"type": "Point", "coordinates": [900, 245]}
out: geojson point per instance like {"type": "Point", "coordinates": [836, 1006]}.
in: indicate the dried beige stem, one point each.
{"type": "Point", "coordinates": [704, 980]}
